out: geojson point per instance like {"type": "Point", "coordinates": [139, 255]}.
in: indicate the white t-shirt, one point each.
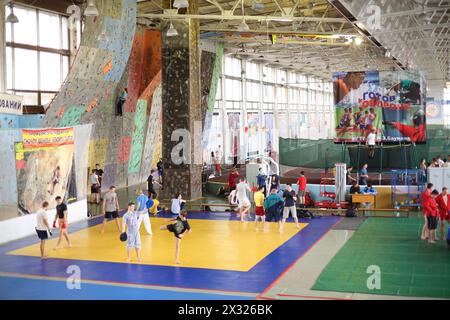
{"type": "Point", "coordinates": [94, 178]}
{"type": "Point", "coordinates": [371, 138]}
{"type": "Point", "coordinates": [40, 218]}
{"type": "Point", "coordinates": [176, 206]}
{"type": "Point", "coordinates": [241, 190]}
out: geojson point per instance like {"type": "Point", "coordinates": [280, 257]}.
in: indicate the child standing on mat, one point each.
{"type": "Point", "coordinates": [178, 228]}
{"type": "Point", "coordinates": [289, 206]}
{"type": "Point", "coordinates": [131, 222]}
{"type": "Point", "coordinates": [273, 205]}
{"type": "Point", "coordinates": [42, 227]}
{"type": "Point", "coordinates": [244, 203]}
{"type": "Point", "coordinates": [258, 197]}
{"type": "Point", "coordinates": [61, 216]}
{"type": "Point", "coordinates": [111, 208]}
{"type": "Point", "coordinates": [143, 211]}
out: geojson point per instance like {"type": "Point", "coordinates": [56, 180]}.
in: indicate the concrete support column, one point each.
{"type": "Point", "coordinates": [2, 49]}
{"type": "Point", "coordinates": [181, 107]}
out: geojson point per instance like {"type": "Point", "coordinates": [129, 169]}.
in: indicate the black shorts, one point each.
{"type": "Point", "coordinates": [42, 234]}
{"type": "Point", "coordinates": [273, 213]}
{"type": "Point", "coordinates": [111, 214]}
{"type": "Point", "coordinates": [171, 228]}
{"type": "Point", "coordinates": [432, 222]}
{"type": "Point", "coordinates": [94, 188]}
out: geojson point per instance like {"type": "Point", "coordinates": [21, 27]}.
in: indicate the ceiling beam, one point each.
{"type": "Point", "coordinates": [239, 17]}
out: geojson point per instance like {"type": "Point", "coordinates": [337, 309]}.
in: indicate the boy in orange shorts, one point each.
{"type": "Point", "coordinates": [259, 208]}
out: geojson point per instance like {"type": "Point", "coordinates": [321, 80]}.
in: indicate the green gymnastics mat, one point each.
{"type": "Point", "coordinates": [408, 265]}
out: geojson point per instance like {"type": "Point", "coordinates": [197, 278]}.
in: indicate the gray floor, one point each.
{"type": "Point", "coordinates": [350, 223]}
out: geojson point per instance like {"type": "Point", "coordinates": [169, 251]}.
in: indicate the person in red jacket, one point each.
{"type": "Point", "coordinates": [432, 212]}
{"type": "Point", "coordinates": [417, 132]}
{"type": "Point", "coordinates": [426, 196]}
{"type": "Point", "coordinates": [232, 178]}
{"type": "Point", "coordinates": [443, 201]}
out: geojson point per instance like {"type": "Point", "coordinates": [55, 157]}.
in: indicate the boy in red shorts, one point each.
{"type": "Point", "coordinates": [259, 208]}
{"type": "Point", "coordinates": [432, 212]}
{"type": "Point", "coordinates": [443, 201]}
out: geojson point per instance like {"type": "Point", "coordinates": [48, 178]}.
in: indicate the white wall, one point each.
{"type": "Point", "coordinates": [23, 226]}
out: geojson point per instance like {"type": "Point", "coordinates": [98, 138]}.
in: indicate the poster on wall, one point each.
{"type": "Point", "coordinates": [388, 103]}
{"type": "Point", "coordinates": [44, 162]}
{"type": "Point", "coordinates": [234, 119]}
{"type": "Point", "coordinates": [252, 131]}
{"type": "Point", "coordinates": [269, 127]}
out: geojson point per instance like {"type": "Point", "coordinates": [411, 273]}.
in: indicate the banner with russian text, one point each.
{"type": "Point", "coordinates": [11, 104]}
{"type": "Point", "coordinates": [44, 163]}
{"type": "Point", "coordinates": [46, 138]}
{"type": "Point", "coordinates": [390, 104]}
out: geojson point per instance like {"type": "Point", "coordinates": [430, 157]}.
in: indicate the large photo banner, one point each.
{"type": "Point", "coordinates": [44, 161]}
{"type": "Point", "coordinates": [390, 104]}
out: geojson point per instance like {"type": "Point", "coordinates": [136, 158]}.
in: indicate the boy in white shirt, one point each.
{"type": "Point", "coordinates": [42, 227]}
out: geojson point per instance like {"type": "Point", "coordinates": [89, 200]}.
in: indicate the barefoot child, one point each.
{"type": "Point", "coordinates": [289, 206]}
{"type": "Point", "coordinates": [273, 205]}
{"type": "Point", "coordinates": [111, 208]}
{"type": "Point", "coordinates": [259, 208]}
{"type": "Point", "coordinates": [244, 203]}
{"type": "Point", "coordinates": [61, 216]}
{"type": "Point", "coordinates": [131, 222]}
{"type": "Point", "coordinates": [178, 229]}
{"type": "Point", "coordinates": [42, 227]}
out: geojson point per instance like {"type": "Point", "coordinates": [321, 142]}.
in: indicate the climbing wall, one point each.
{"type": "Point", "coordinates": [207, 110]}
{"type": "Point", "coordinates": [8, 183]}
{"type": "Point", "coordinates": [145, 76]}
{"type": "Point", "coordinates": [95, 79]}
{"type": "Point", "coordinates": [114, 54]}
{"type": "Point", "coordinates": [153, 137]}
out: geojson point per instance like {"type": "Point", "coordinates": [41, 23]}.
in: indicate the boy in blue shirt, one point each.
{"type": "Point", "coordinates": [143, 211]}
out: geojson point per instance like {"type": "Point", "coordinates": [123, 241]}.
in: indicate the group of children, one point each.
{"type": "Point", "coordinates": [274, 207]}
{"type": "Point", "coordinates": [363, 121]}
{"type": "Point", "coordinates": [136, 214]}
{"type": "Point", "coordinates": [436, 207]}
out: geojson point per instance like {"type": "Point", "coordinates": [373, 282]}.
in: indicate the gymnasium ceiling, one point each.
{"type": "Point", "coordinates": [313, 35]}
{"type": "Point", "coordinates": [396, 33]}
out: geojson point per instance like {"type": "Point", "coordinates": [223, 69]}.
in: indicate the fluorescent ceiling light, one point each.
{"type": "Point", "coordinates": [282, 19]}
